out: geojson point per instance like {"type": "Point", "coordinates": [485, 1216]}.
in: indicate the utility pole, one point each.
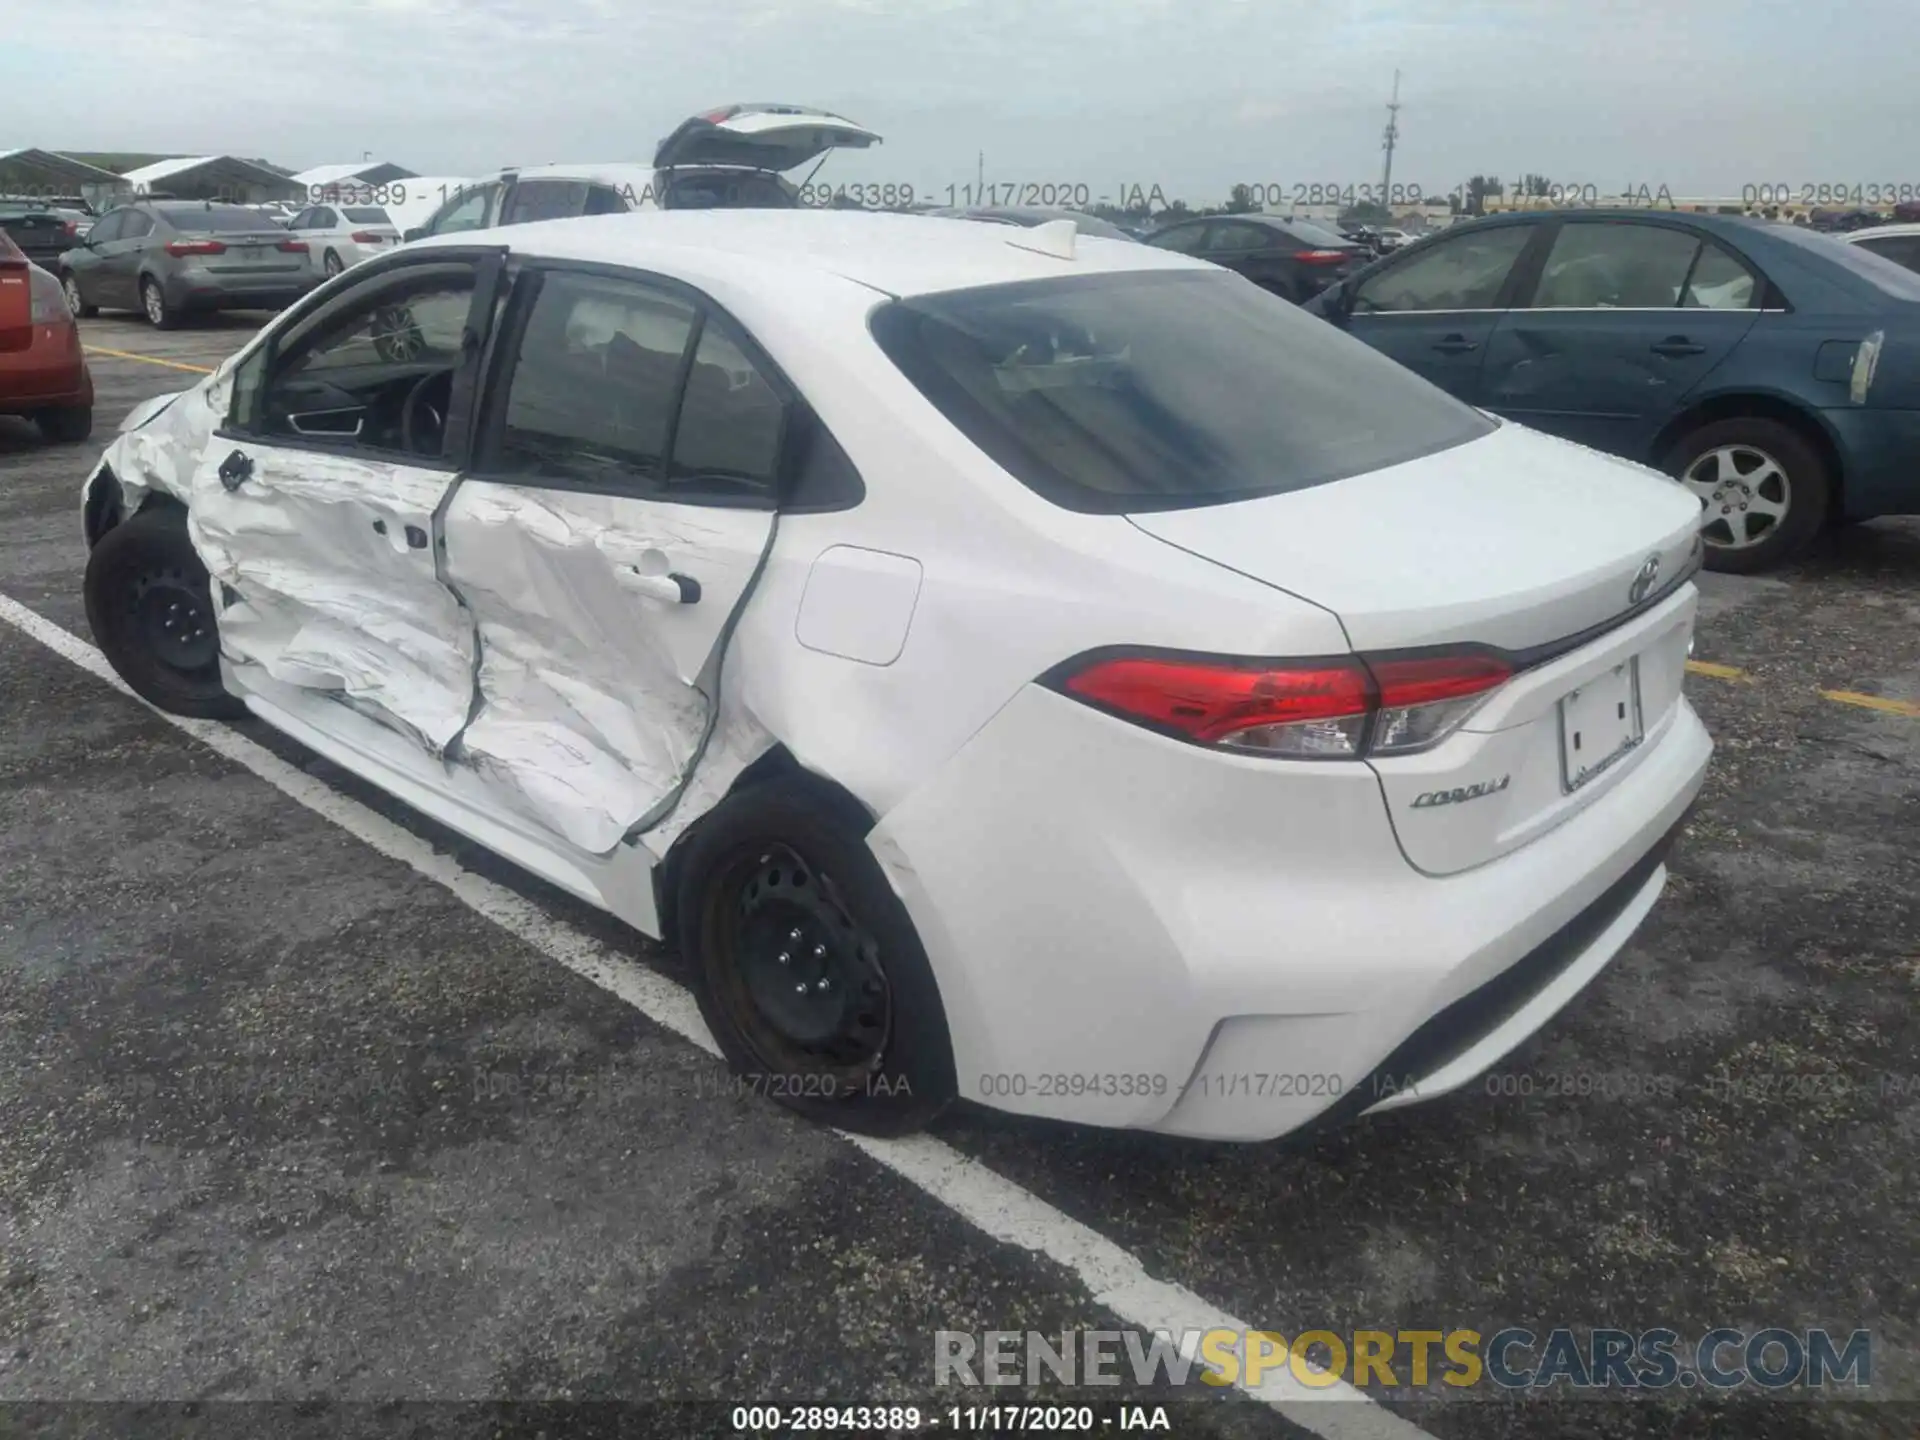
{"type": "Point", "coordinates": [1392, 136]}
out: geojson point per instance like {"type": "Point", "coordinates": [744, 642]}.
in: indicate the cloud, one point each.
{"type": "Point", "coordinates": [1191, 94]}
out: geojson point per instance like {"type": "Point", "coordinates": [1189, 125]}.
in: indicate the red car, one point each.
{"type": "Point", "coordinates": [43, 371]}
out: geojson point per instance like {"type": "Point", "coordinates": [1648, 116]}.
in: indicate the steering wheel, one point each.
{"type": "Point", "coordinates": [412, 432]}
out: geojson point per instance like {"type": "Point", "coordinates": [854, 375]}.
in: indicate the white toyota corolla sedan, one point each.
{"type": "Point", "coordinates": [1007, 664]}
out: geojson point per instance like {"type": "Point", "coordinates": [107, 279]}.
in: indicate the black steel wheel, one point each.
{"type": "Point", "coordinates": [806, 965]}
{"type": "Point", "coordinates": [151, 610]}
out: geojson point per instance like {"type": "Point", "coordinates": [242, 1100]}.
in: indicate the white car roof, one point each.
{"type": "Point", "coordinates": [764, 249]}
{"type": "Point", "coordinates": [1876, 231]}
{"type": "Point", "coordinates": [617, 173]}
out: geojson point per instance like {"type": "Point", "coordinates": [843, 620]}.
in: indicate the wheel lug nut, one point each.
{"type": "Point", "coordinates": [794, 934]}
{"type": "Point", "coordinates": [784, 958]}
{"type": "Point", "coordinates": [819, 952]}
{"type": "Point", "coordinates": [822, 985]}
{"type": "Point", "coordinates": [800, 989]}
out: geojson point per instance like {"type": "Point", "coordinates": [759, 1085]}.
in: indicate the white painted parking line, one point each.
{"type": "Point", "coordinates": [1115, 1278]}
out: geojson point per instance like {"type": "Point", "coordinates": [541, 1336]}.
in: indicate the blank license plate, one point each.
{"type": "Point", "coordinates": [1599, 723]}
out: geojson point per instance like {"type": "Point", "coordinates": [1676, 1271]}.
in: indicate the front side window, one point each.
{"type": "Point", "coordinates": [1161, 390]}
{"type": "Point", "coordinates": [375, 371]}
{"type": "Point", "coordinates": [464, 211]}
{"type": "Point", "coordinates": [1462, 272]}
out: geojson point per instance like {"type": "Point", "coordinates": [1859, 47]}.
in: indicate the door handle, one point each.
{"type": "Point", "coordinates": [675, 589]}
{"type": "Point", "coordinates": [1455, 345]}
{"type": "Point", "coordinates": [235, 469]}
{"type": "Point", "coordinates": [1675, 346]}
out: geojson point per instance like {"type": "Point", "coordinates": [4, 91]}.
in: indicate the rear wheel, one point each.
{"type": "Point", "coordinates": [76, 302]}
{"type": "Point", "coordinates": [331, 264]}
{"type": "Point", "coordinates": [68, 425]}
{"type": "Point", "coordinates": [153, 300]}
{"type": "Point", "coordinates": [151, 610]}
{"type": "Point", "coordinates": [1764, 491]}
{"type": "Point", "coordinates": [806, 965]}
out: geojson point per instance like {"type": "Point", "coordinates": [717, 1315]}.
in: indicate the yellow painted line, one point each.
{"type": "Point", "coordinates": [150, 359]}
{"type": "Point", "coordinates": [1719, 672]}
{"type": "Point", "coordinates": [1873, 702]}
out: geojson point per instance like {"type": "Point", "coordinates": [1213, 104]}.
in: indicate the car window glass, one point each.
{"type": "Point", "coordinates": [136, 225]}
{"type": "Point", "coordinates": [1238, 237]}
{"type": "Point", "coordinates": [1615, 267]}
{"type": "Point", "coordinates": [356, 369]}
{"type": "Point", "coordinates": [543, 200]}
{"type": "Point", "coordinates": [299, 222]}
{"type": "Point", "coordinates": [604, 200]}
{"type": "Point", "coordinates": [362, 215]}
{"type": "Point", "coordinates": [592, 393]}
{"type": "Point", "coordinates": [468, 212]}
{"type": "Point", "coordinates": [1720, 282]}
{"type": "Point", "coordinates": [1901, 249]}
{"type": "Point", "coordinates": [325, 219]}
{"type": "Point", "coordinates": [1462, 272]}
{"type": "Point", "coordinates": [107, 228]}
{"type": "Point", "coordinates": [728, 440]}
{"type": "Point", "coordinates": [1185, 239]}
{"type": "Point", "coordinates": [1163, 389]}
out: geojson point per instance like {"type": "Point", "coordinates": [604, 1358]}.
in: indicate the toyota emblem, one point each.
{"type": "Point", "coordinates": [1643, 582]}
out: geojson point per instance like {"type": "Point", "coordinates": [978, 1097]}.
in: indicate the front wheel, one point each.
{"type": "Point", "coordinates": [331, 264]}
{"type": "Point", "coordinates": [806, 965]}
{"type": "Point", "coordinates": [1764, 491]}
{"type": "Point", "coordinates": [150, 606]}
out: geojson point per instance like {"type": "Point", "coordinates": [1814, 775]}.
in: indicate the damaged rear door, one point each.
{"type": "Point", "coordinates": [617, 512]}
{"type": "Point", "coordinates": [315, 504]}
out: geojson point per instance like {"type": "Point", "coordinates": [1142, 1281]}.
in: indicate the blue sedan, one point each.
{"type": "Point", "coordinates": [1774, 371]}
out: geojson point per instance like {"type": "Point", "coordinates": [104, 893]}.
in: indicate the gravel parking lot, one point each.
{"type": "Point", "coordinates": [303, 1098]}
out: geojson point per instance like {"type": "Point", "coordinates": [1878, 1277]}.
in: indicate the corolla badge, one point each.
{"type": "Point", "coordinates": [1643, 582]}
{"type": "Point", "coordinates": [1463, 794]}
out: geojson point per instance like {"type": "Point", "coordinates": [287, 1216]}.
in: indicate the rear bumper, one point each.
{"type": "Point", "coordinates": [1133, 932]}
{"type": "Point", "coordinates": [51, 374]}
{"type": "Point", "coordinates": [201, 292]}
{"type": "Point", "coordinates": [1880, 459]}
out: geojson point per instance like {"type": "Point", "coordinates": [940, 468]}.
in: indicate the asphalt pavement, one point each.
{"type": "Point", "coordinates": [304, 1099]}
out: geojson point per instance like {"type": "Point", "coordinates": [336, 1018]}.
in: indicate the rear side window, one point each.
{"type": "Point", "coordinates": [1615, 267]}
{"type": "Point", "coordinates": [1162, 391]}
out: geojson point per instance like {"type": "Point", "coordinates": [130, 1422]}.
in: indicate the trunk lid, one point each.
{"type": "Point", "coordinates": [1515, 540]}
{"type": "Point", "coordinates": [760, 137]}
{"type": "Point", "coordinates": [1563, 558]}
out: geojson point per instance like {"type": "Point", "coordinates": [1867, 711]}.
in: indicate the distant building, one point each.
{"type": "Point", "coordinates": [213, 177]}
{"type": "Point", "coordinates": [314, 183]}
{"type": "Point", "coordinates": [37, 173]}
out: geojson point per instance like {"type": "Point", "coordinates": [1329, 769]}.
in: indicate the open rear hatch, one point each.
{"type": "Point", "coordinates": [1517, 552]}
{"type": "Point", "coordinates": [760, 137]}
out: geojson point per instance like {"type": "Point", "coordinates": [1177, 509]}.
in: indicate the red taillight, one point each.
{"type": "Point", "coordinates": [196, 247]}
{"type": "Point", "coordinates": [70, 227]}
{"type": "Point", "coordinates": [1313, 710]}
{"type": "Point", "coordinates": [1210, 701]}
{"type": "Point", "coordinates": [365, 237]}
{"type": "Point", "coordinates": [1320, 257]}
{"type": "Point", "coordinates": [292, 247]}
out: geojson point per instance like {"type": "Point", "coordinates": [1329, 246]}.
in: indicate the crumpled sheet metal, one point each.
{"type": "Point", "coordinates": [590, 716]}
{"type": "Point", "coordinates": [326, 601]}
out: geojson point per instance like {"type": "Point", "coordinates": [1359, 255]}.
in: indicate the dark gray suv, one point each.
{"type": "Point", "coordinates": [170, 258]}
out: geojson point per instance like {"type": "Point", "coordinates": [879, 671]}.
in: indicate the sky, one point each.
{"type": "Point", "coordinates": [1701, 96]}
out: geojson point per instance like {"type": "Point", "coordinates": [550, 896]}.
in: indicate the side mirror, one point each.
{"type": "Point", "coordinates": [416, 232]}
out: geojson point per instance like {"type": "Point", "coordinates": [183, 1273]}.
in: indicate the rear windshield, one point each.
{"type": "Point", "coordinates": [212, 219]}
{"type": "Point", "coordinates": [365, 214]}
{"type": "Point", "coordinates": [1893, 278]}
{"type": "Point", "coordinates": [1163, 390]}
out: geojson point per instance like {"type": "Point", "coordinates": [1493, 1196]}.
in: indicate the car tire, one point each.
{"type": "Point", "coordinates": [331, 264]}
{"type": "Point", "coordinates": [150, 607]}
{"type": "Point", "coordinates": [153, 302]}
{"type": "Point", "coordinates": [75, 301]}
{"type": "Point", "coordinates": [1748, 460]}
{"type": "Point", "coordinates": [786, 858]}
{"type": "Point", "coordinates": [68, 425]}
